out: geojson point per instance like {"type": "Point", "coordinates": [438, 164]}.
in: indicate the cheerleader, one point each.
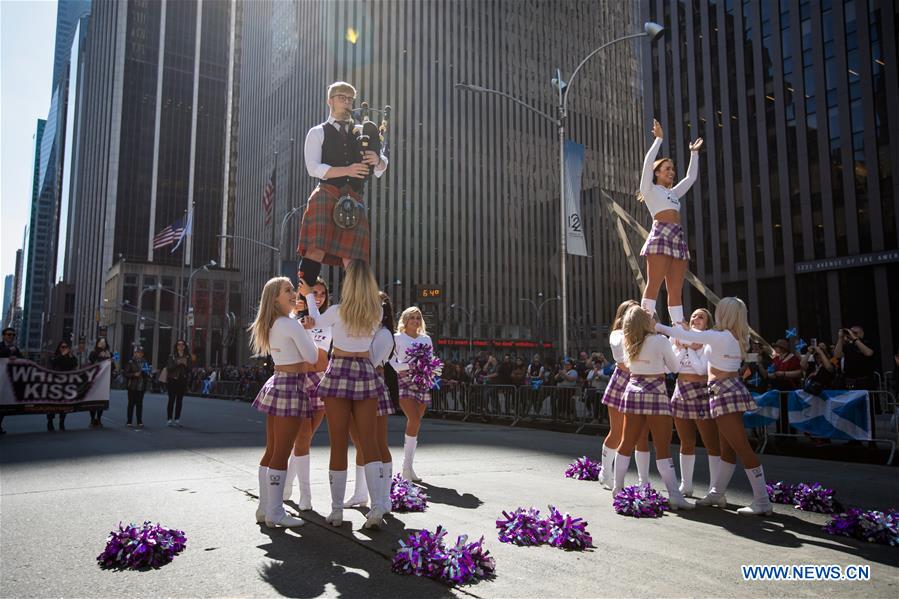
{"type": "Point", "coordinates": [350, 386]}
{"type": "Point", "coordinates": [612, 399]}
{"type": "Point", "coordinates": [382, 348]}
{"type": "Point", "coordinates": [283, 398]}
{"type": "Point", "coordinates": [298, 465]}
{"type": "Point", "coordinates": [413, 401]}
{"type": "Point", "coordinates": [728, 399]}
{"type": "Point", "coordinates": [690, 404]}
{"type": "Point", "coordinates": [665, 249]}
{"type": "Point", "coordinates": [645, 400]}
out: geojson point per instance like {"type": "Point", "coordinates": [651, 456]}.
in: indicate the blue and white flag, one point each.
{"type": "Point", "coordinates": [767, 412]}
{"type": "Point", "coordinates": [576, 242]}
{"type": "Point", "coordinates": [836, 415]}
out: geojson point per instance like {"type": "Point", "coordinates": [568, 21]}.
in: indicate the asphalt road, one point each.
{"type": "Point", "coordinates": [61, 492]}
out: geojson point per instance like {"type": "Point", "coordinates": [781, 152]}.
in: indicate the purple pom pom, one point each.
{"type": "Point", "coordinates": [567, 532]}
{"type": "Point", "coordinates": [424, 366]}
{"type": "Point", "coordinates": [424, 554]}
{"type": "Point", "coordinates": [148, 546]}
{"type": "Point", "coordinates": [815, 498]}
{"type": "Point", "coordinates": [406, 496]}
{"type": "Point", "coordinates": [640, 502]}
{"type": "Point", "coordinates": [781, 492]}
{"type": "Point", "coordinates": [872, 526]}
{"type": "Point", "coordinates": [583, 468]}
{"type": "Point", "coordinates": [523, 527]}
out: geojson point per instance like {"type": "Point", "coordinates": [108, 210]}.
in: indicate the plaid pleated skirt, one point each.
{"type": "Point", "coordinates": [409, 390]}
{"type": "Point", "coordinates": [614, 392]}
{"type": "Point", "coordinates": [284, 394]}
{"type": "Point", "coordinates": [666, 239]}
{"type": "Point", "coordinates": [318, 229]}
{"type": "Point", "coordinates": [386, 405]}
{"type": "Point", "coordinates": [311, 386]}
{"type": "Point", "coordinates": [645, 395]}
{"type": "Point", "coordinates": [729, 395]}
{"type": "Point", "coordinates": [690, 401]}
{"type": "Point", "coordinates": [352, 378]}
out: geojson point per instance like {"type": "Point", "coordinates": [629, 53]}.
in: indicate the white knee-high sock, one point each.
{"type": "Point", "coordinates": [360, 488]}
{"type": "Point", "coordinates": [290, 476]}
{"type": "Point", "coordinates": [714, 467]}
{"type": "Point", "coordinates": [301, 468]}
{"type": "Point", "coordinates": [409, 451]}
{"type": "Point", "coordinates": [374, 479]}
{"type": "Point", "coordinates": [275, 495]}
{"type": "Point", "coordinates": [608, 463]}
{"type": "Point", "coordinates": [669, 476]}
{"type": "Point", "coordinates": [687, 462]}
{"type": "Point", "coordinates": [263, 487]}
{"type": "Point", "coordinates": [648, 305]}
{"type": "Point", "coordinates": [756, 478]}
{"type": "Point", "coordinates": [387, 473]}
{"type": "Point", "coordinates": [337, 480]}
{"type": "Point", "coordinates": [725, 472]}
{"type": "Point", "coordinates": [642, 459]}
{"type": "Point", "coordinates": [621, 464]}
{"type": "Point", "coordinates": [676, 313]}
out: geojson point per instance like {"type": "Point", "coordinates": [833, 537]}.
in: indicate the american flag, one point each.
{"type": "Point", "coordinates": [268, 196]}
{"type": "Point", "coordinates": [169, 235]}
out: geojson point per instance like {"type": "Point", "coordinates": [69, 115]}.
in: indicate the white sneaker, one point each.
{"type": "Point", "coordinates": [757, 508]}
{"type": "Point", "coordinates": [374, 519]}
{"type": "Point", "coordinates": [260, 515]}
{"type": "Point", "coordinates": [713, 499]}
{"type": "Point", "coordinates": [169, 422]}
{"type": "Point", "coordinates": [356, 501]}
{"type": "Point", "coordinates": [607, 482]}
{"type": "Point", "coordinates": [304, 504]}
{"type": "Point", "coordinates": [178, 423]}
{"type": "Point", "coordinates": [285, 520]}
{"type": "Point", "coordinates": [677, 502]}
{"type": "Point", "coordinates": [685, 490]}
{"type": "Point", "coordinates": [335, 518]}
{"type": "Point", "coordinates": [615, 491]}
{"type": "Point", "coordinates": [409, 474]}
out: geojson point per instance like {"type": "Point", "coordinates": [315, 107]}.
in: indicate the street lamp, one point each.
{"type": "Point", "coordinates": [652, 31]}
{"type": "Point", "coordinates": [468, 316]}
{"type": "Point", "coordinates": [190, 297]}
{"type": "Point", "coordinates": [395, 283]}
{"type": "Point", "coordinates": [538, 309]}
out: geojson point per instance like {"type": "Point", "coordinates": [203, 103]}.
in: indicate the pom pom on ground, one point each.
{"type": "Point", "coordinates": [406, 496]}
{"type": "Point", "coordinates": [523, 527]}
{"type": "Point", "coordinates": [424, 553]}
{"type": "Point", "coordinates": [583, 468]}
{"type": "Point", "coordinates": [568, 532]}
{"type": "Point", "coordinates": [868, 525]}
{"type": "Point", "coordinates": [815, 498]}
{"type": "Point", "coordinates": [781, 492]}
{"type": "Point", "coordinates": [640, 502]}
{"type": "Point", "coordinates": [139, 547]}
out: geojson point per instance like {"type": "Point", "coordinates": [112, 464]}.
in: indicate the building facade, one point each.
{"type": "Point", "coordinates": [37, 253]}
{"type": "Point", "coordinates": [153, 121]}
{"type": "Point", "coordinates": [797, 207]}
{"type": "Point", "coordinates": [469, 207]}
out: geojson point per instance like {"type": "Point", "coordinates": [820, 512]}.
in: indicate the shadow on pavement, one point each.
{"type": "Point", "coordinates": [451, 496]}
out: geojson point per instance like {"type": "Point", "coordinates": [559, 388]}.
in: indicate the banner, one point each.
{"type": "Point", "coordinates": [574, 226]}
{"type": "Point", "coordinates": [28, 388]}
{"type": "Point", "coordinates": [836, 415]}
{"type": "Point", "coordinates": [767, 412]}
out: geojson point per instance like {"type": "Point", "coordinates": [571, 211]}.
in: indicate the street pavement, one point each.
{"type": "Point", "coordinates": [62, 492]}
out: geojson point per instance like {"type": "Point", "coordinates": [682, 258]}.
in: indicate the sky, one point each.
{"type": "Point", "coordinates": [27, 35]}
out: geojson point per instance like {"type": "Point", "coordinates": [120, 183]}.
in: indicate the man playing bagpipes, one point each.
{"type": "Point", "coordinates": [335, 225]}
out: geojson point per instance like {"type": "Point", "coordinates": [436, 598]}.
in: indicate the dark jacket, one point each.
{"type": "Point", "coordinates": [63, 363]}
{"type": "Point", "coordinates": [9, 351]}
{"type": "Point", "coordinates": [99, 355]}
{"type": "Point", "coordinates": [137, 375]}
{"type": "Point", "coordinates": [178, 368]}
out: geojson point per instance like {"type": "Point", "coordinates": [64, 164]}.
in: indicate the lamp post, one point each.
{"type": "Point", "coordinates": [650, 30]}
{"type": "Point", "coordinates": [468, 316]}
{"type": "Point", "coordinates": [538, 309]}
{"type": "Point", "coordinates": [190, 297]}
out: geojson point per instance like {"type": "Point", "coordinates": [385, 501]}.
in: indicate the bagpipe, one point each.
{"type": "Point", "coordinates": [372, 137]}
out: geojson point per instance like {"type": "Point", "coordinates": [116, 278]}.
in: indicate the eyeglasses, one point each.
{"type": "Point", "coordinates": [344, 98]}
{"type": "Point", "coordinates": [9, 334]}
{"type": "Point", "coordinates": [63, 347]}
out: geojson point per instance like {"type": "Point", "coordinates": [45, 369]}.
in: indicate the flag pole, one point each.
{"type": "Point", "coordinates": [273, 213]}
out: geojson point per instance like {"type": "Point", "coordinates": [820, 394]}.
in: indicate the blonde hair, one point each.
{"type": "Point", "coordinates": [619, 313]}
{"type": "Point", "coordinates": [731, 316]}
{"type": "Point", "coordinates": [655, 166]}
{"type": "Point", "coordinates": [360, 305]}
{"type": "Point", "coordinates": [710, 322]}
{"type": "Point", "coordinates": [401, 325]}
{"type": "Point", "coordinates": [266, 315]}
{"type": "Point", "coordinates": [636, 326]}
{"type": "Point", "coordinates": [341, 87]}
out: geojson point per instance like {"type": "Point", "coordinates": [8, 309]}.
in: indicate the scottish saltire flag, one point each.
{"type": "Point", "coordinates": [836, 415]}
{"type": "Point", "coordinates": [767, 412]}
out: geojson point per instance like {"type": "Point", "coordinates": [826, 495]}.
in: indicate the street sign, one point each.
{"type": "Point", "coordinates": [190, 319]}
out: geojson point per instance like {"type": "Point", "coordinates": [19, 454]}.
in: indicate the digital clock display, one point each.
{"type": "Point", "coordinates": [430, 292]}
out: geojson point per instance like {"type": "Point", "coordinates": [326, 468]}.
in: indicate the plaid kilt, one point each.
{"type": "Point", "coordinates": [352, 378]}
{"type": "Point", "coordinates": [728, 396]}
{"type": "Point", "coordinates": [386, 406]}
{"type": "Point", "coordinates": [645, 395]}
{"type": "Point", "coordinates": [409, 390]}
{"type": "Point", "coordinates": [690, 401]}
{"type": "Point", "coordinates": [311, 387]}
{"type": "Point", "coordinates": [666, 239]}
{"type": "Point", "coordinates": [614, 392]}
{"type": "Point", "coordinates": [319, 231]}
{"type": "Point", "coordinates": [284, 394]}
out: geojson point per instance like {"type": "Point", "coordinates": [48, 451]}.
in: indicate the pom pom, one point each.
{"type": "Point", "coordinates": [781, 492]}
{"type": "Point", "coordinates": [640, 502]}
{"type": "Point", "coordinates": [815, 498]}
{"type": "Point", "coordinates": [406, 496]}
{"type": "Point", "coordinates": [523, 527]}
{"type": "Point", "coordinates": [583, 468]}
{"type": "Point", "coordinates": [424, 366]}
{"type": "Point", "coordinates": [567, 532]}
{"type": "Point", "coordinates": [424, 554]}
{"type": "Point", "coordinates": [147, 546]}
{"type": "Point", "coordinates": [871, 526]}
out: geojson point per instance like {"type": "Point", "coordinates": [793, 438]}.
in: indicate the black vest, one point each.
{"type": "Point", "coordinates": [340, 150]}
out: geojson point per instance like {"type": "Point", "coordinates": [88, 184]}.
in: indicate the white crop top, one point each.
{"type": "Point", "coordinates": [321, 337]}
{"type": "Point", "coordinates": [692, 361]}
{"type": "Point", "coordinates": [656, 357]}
{"type": "Point", "coordinates": [381, 347]}
{"type": "Point", "coordinates": [616, 342]}
{"type": "Point", "coordinates": [659, 197]}
{"type": "Point", "coordinates": [724, 349]}
{"type": "Point", "coordinates": [404, 342]}
{"type": "Point", "coordinates": [341, 338]}
{"type": "Point", "coordinates": [290, 343]}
